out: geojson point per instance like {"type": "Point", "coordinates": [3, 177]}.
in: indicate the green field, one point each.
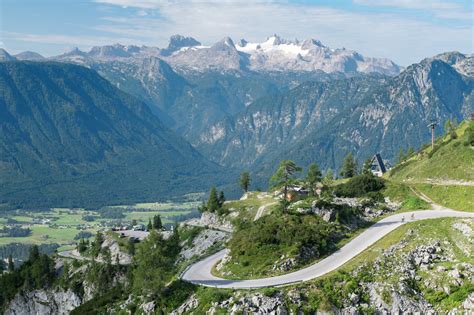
{"type": "Point", "coordinates": [60, 225]}
{"type": "Point", "coordinates": [44, 234]}
{"type": "Point", "coordinates": [450, 196]}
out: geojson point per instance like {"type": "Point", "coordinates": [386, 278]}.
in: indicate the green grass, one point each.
{"type": "Point", "coordinates": [451, 160]}
{"type": "Point", "coordinates": [43, 234]}
{"type": "Point", "coordinates": [402, 193]}
{"type": "Point", "coordinates": [247, 209]}
{"type": "Point", "coordinates": [455, 197]}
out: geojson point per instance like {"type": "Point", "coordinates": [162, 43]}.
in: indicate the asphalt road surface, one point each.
{"type": "Point", "coordinates": [200, 272]}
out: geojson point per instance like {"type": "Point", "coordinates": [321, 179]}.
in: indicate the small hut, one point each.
{"type": "Point", "coordinates": [378, 166]}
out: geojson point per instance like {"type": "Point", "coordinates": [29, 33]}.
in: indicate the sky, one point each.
{"type": "Point", "coordinates": [405, 31]}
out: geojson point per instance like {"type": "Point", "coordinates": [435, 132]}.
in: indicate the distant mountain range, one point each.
{"type": "Point", "coordinates": [248, 105]}
{"type": "Point", "coordinates": [274, 54]}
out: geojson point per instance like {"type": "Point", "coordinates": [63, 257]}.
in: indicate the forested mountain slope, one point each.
{"type": "Point", "coordinates": [70, 138]}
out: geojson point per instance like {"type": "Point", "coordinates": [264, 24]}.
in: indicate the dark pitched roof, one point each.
{"type": "Point", "coordinates": [378, 159]}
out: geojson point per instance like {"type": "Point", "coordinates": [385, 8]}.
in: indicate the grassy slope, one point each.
{"type": "Point", "coordinates": [437, 173]}
{"type": "Point", "coordinates": [452, 160]}
{"type": "Point", "coordinates": [455, 197]}
{"type": "Point", "coordinates": [247, 208]}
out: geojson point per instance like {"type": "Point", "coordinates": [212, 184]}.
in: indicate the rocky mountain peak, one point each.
{"type": "Point", "coordinates": [29, 55]}
{"type": "Point", "coordinates": [74, 52]}
{"type": "Point", "coordinates": [464, 64]}
{"type": "Point", "coordinates": [116, 50]}
{"type": "Point", "coordinates": [180, 41]}
{"type": "Point", "coordinates": [277, 40]}
{"type": "Point", "coordinates": [224, 43]}
{"type": "Point", "coordinates": [5, 56]}
{"type": "Point", "coordinates": [309, 43]}
{"type": "Point", "coordinates": [451, 57]}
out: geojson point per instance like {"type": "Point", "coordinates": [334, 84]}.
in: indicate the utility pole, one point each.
{"type": "Point", "coordinates": [432, 125]}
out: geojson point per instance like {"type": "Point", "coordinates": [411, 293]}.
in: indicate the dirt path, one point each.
{"type": "Point", "coordinates": [262, 209]}
{"type": "Point", "coordinates": [444, 182]}
{"type": "Point", "coordinates": [422, 196]}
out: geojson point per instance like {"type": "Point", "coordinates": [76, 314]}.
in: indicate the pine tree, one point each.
{"type": "Point", "coordinates": [283, 175]}
{"type": "Point", "coordinates": [131, 246]}
{"type": "Point", "coordinates": [221, 199]}
{"type": "Point", "coordinates": [313, 177]}
{"type": "Point", "coordinates": [99, 239]}
{"type": "Point", "coordinates": [11, 265]}
{"type": "Point", "coordinates": [410, 152]}
{"type": "Point", "coordinates": [328, 178]}
{"type": "Point", "coordinates": [367, 169]}
{"type": "Point", "coordinates": [149, 227]}
{"type": "Point", "coordinates": [202, 208]}
{"type": "Point", "coordinates": [213, 201]}
{"type": "Point", "coordinates": [401, 156]}
{"type": "Point", "coordinates": [155, 264]}
{"type": "Point", "coordinates": [244, 181]}
{"type": "Point", "coordinates": [34, 253]}
{"type": "Point", "coordinates": [157, 224]}
{"type": "Point", "coordinates": [64, 280]}
{"type": "Point", "coordinates": [349, 166]}
{"type": "Point", "coordinates": [81, 246]}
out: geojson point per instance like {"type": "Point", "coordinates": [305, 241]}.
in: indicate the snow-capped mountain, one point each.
{"type": "Point", "coordinates": [278, 54]}
{"type": "Point", "coordinates": [274, 54]}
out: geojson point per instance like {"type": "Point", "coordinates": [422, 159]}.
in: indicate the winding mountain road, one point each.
{"type": "Point", "coordinates": [200, 272]}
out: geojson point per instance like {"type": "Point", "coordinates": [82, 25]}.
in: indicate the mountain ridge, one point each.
{"type": "Point", "coordinates": [274, 54]}
{"type": "Point", "coordinates": [364, 118]}
{"type": "Point", "coordinates": [70, 138]}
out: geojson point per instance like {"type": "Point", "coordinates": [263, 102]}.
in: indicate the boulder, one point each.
{"type": "Point", "coordinates": [190, 304]}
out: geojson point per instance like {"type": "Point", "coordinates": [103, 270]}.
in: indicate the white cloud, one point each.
{"type": "Point", "coordinates": [404, 39]}
{"type": "Point", "coordinates": [68, 40]}
{"type": "Point", "coordinates": [439, 9]}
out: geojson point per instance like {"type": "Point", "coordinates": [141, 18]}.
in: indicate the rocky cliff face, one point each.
{"type": "Point", "coordinates": [322, 121]}
{"type": "Point", "coordinates": [276, 122]}
{"type": "Point", "coordinates": [45, 302]}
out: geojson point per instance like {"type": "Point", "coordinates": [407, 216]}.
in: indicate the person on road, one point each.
{"type": "Point", "coordinates": [403, 219]}
{"type": "Point", "coordinates": [413, 216]}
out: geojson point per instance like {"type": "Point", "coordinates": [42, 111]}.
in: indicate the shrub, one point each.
{"type": "Point", "coordinates": [469, 135]}
{"type": "Point", "coordinates": [83, 234]}
{"type": "Point", "coordinates": [360, 186]}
